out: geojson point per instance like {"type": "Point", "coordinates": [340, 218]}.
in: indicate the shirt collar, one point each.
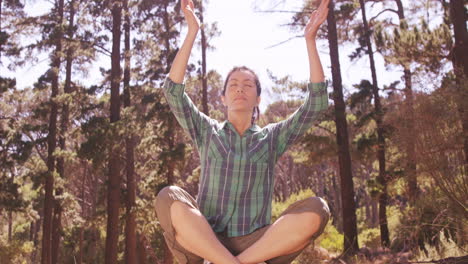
{"type": "Point", "coordinates": [253, 128]}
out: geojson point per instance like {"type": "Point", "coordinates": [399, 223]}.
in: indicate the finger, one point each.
{"type": "Point", "coordinates": [191, 5]}
{"type": "Point", "coordinates": [323, 10]}
{"type": "Point", "coordinates": [184, 4]}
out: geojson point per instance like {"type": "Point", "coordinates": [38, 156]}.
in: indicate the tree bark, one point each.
{"type": "Point", "coordinates": [46, 256]}
{"type": "Point", "coordinates": [83, 213]}
{"type": "Point", "coordinates": [460, 65]}
{"type": "Point", "coordinates": [1, 5]}
{"type": "Point", "coordinates": [382, 178]}
{"type": "Point", "coordinates": [142, 255]}
{"type": "Point", "coordinates": [351, 246]}
{"type": "Point", "coordinates": [10, 225]}
{"type": "Point", "coordinates": [204, 46]}
{"type": "Point", "coordinates": [130, 225]}
{"type": "Point", "coordinates": [113, 187]}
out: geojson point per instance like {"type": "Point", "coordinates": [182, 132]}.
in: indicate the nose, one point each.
{"type": "Point", "coordinates": [240, 89]}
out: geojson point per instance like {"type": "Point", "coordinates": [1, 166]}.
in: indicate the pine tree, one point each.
{"type": "Point", "coordinates": [46, 257]}
{"type": "Point", "coordinates": [458, 14]}
{"type": "Point", "coordinates": [347, 186]}
{"type": "Point", "coordinates": [130, 225]}
{"type": "Point", "coordinates": [382, 178]}
{"type": "Point", "coordinates": [113, 186]}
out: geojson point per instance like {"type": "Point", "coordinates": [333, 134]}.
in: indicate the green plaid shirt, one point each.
{"type": "Point", "coordinates": [236, 183]}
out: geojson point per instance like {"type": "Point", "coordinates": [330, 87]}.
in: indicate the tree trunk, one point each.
{"type": "Point", "coordinates": [375, 213]}
{"type": "Point", "coordinates": [460, 65]}
{"type": "Point", "coordinates": [10, 225]}
{"type": "Point", "coordinates": [170, 133]}
{"type": "Point", "coordinates": [142, 255]}
{"type": "Point", "coordinates": [57, 219]}
{"type": "Point", "coordinates": [83, 213]}
{"type": "Point", "coordinates": [204, 46]}
{"type": "Point", "coordinates": [413, 190]}
{"type": "Point", "coordinates": [130, 225]}
{"type": "Point", "coordinates": [1, 4]}
{"type": "Point", "coordinates": [46, 256]}
{"type": "Point", "coordinates": [35, 236]}
{"type": "Point", "coordinates": [113, 187]}
{"type": "Point", "coordinates": [56, 228]}
{"type": "Point", "coordinates": [382, 178]}
{"type": "Point", "coordinates": [79, 259]}
{"type": "Point", "coordinates": [347, 187]}
{"type": "Point", "coordinates": [410, 166]}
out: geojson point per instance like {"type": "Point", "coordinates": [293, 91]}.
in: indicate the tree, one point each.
{"type": "Point", "coordinates": [46, 256]}
{"type": "Point", "coordinates": [347, 186]}
{"type": "Point", "coordinates": [346, 177]}
{"type": "Point", "coordinates": [207, 32]}
{"type": "Point", "coordinates": [411, 148]}
{"type": "Point", "coordinates": [458, 14]}
{"type": "Point", "coordinates": [130, 225]}
{"type": "Point", "coordinates": [204, 46]}
{"type": "Point", "coordinates": [57, 220]}
{"type": "Point", "coordinates": [382, 178]}
{"type": "Point", "coordinates": [113, 186]}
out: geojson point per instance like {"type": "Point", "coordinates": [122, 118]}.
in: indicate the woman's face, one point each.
{"type": "Point", "coordinates": [241, 92]}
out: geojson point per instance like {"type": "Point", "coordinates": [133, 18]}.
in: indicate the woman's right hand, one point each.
{"type": "Point", "coordinates": [192, 20]}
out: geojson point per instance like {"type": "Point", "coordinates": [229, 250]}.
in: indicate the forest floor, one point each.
{"type": "Point", "coordinates": [367, 256]}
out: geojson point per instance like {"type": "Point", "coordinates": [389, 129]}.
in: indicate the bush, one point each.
{"type": "Point", "coordinates": [331, 239]}
{"type": "Point", "coordinates": [446, 248]}
{"type": "Point", "coordinates": [369, 238]}
{"type": "Point", "coordinates": [15, 252]}
{"type": "Point", "coordinates": [421, 225]}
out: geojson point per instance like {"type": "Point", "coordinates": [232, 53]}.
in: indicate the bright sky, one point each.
{"type": "Point", "coordinates": [245, 36]}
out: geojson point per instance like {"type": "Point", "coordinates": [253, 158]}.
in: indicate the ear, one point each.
{"type": "Point", "coordinates": [223, 99]}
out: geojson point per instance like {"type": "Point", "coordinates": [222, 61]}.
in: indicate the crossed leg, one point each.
{"type": "Point", "coordinates": [289, 234]}
{"type": "Point", "coordinates": [292, 232]}
{"type": "Point", "coordinates": [194, 233]}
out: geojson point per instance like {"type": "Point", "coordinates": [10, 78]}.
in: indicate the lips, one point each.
{"type": "Point", "coordinates": [240, 98]}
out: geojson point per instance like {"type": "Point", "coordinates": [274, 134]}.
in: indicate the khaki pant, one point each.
{"type": "Point", "coordinates": [235, 245]}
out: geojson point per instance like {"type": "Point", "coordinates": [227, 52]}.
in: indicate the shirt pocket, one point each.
{"type": "Point", "coordinates": [259, 152]}
{"type": "Point", "coordinates": [217, 149]}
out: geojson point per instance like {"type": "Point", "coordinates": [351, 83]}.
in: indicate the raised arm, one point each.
{"type": "Point", "coordinates": [310, 33]}
{"type": "Point", "coordinates": [189, 117]}
{"type": "Point", "coordinates": [179, 65]}
{"type": "Point", "coordinates": [288, 131]}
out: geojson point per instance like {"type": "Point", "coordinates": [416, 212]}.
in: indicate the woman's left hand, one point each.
{"type": "Point", "coordinates": [316, 19]}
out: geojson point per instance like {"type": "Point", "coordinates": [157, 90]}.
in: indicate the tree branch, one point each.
{"type": "Point", "coordinates": [326, 129]}
{"type": "Point", "coordinates": [381, 12]}
{"type": "Point", "coordinates": [281, 11]}
{"type": "Point", "coordinates": [282, 42]}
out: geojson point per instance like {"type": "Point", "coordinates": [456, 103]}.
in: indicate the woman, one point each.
{"type": "Point", "coordinates": [230, 220]}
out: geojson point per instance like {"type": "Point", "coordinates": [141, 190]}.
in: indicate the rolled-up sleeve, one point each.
{"type": "Point", "coordinates": [193, 121]}
{"type": "Point", "coordinates": [289, 130]}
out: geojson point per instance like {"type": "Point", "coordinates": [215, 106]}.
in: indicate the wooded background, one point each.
{"type": "Point", "coordinates": [80, 165]}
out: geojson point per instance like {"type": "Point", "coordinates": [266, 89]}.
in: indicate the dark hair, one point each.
{"type": "Point", "coordinates": [256, 111]}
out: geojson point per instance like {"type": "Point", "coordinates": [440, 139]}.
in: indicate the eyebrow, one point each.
{"type": "Point", "coordinates": [245, 80]}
